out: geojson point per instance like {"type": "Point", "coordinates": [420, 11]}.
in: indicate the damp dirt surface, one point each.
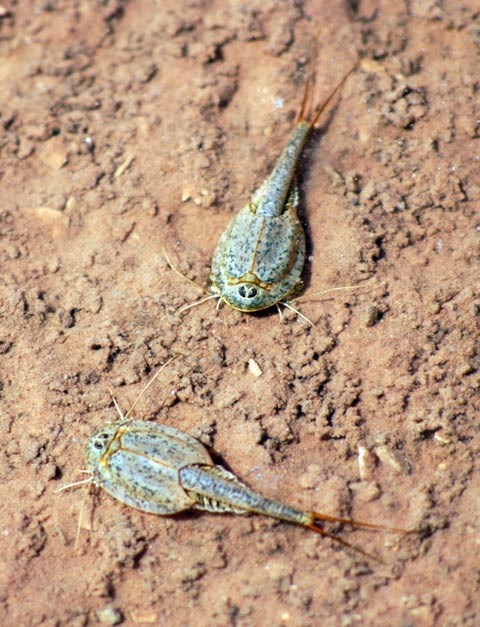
{"type": "Point", "coordinates": [131, 126]}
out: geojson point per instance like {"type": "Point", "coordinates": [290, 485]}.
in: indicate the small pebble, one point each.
{"type": "Point", "coordinates": [372, 315]}
{"type": "Point", "coordinates": [392, 459]}
{"type": "Point", "coordinates": [110, 615]}
{"type": "Point", "coordinates": [310, 478]}
{"type": "Point", "coordinates": [366, 463]}
{"type": "Point", "coordinates": [123, 167]}
{"type": "Point", "coordinates": [254, 368]}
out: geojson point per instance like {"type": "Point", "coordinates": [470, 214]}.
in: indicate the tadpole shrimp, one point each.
{"type": "Point", "coordinates": [159, 469]}
{"type": "Point", "coordinates": [259, 259]}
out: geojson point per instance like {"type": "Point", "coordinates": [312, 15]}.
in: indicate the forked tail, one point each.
{"type": "Point", "coordinates": [310, 115]}
{"type": "Point", "coordinates": [316, 519]}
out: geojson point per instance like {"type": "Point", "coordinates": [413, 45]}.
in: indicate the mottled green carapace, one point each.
{"type": "Point", "coordinates": [161, 470]}
{"type": "Point", "coordinates": [259, 258]}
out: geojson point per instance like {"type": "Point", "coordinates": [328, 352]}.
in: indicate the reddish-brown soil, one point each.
{"type": "Point", "coordinates": [129, 126]}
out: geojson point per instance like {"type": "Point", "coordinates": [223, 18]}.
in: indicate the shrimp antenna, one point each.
{"type": "Point", "coordinates": [80, 515]}
{"type": "Point", "coordinates": [127, 415]}
{"type": "Point", "coordinates": [74, 484]}
{"type": "Point", "coordinates": [88, 483]}
{"type": "Point", "coordinates": [196, 303]}
{"type": "Point", "coordinates": [330, 290]}
{"type": "Point", "coordinates": [299, 313]}
{"type": "Point", "coordinates": [180, 273]}
{"type": "Point", "coordinates": [117, 406]}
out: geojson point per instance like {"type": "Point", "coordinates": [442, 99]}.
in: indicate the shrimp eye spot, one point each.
{"type": "Point", "coordinates": [247, 292]}
{"type": "Point", "coordinates": [98, 445]}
